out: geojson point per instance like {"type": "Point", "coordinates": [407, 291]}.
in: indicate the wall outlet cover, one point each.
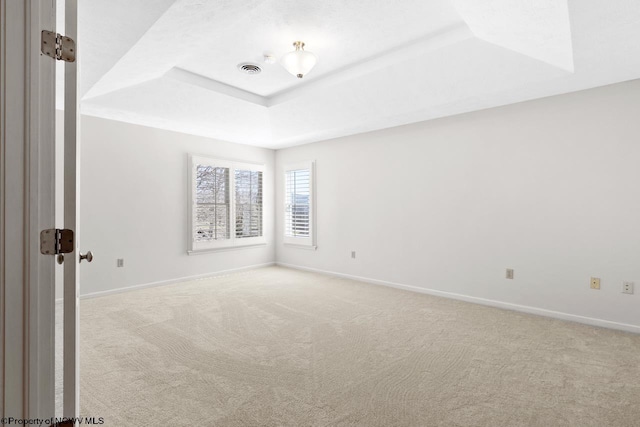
{"type": "Point", "coordinates": [627, 288]}
{"type": "Point", "coordinates": [509, 273]}
{"type": "Point", "coordinates": [595, 283]}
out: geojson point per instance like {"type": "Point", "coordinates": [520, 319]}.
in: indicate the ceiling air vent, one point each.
{"type": "Point", "coordinates": [249, 68]}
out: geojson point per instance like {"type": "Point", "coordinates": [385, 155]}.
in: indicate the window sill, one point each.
{"type": "Point", "coordinates": [224, 248]}
{"type": "Point", "coordinates": [307, 247]}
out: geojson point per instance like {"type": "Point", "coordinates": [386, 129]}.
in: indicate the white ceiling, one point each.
{"type": "Point", "coordinates": [172, 64]}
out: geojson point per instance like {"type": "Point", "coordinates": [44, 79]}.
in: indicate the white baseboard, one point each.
{"type": "Point", "coordinates": [493, 303]}
{"type": "Point", "coordinates": [172, 281]}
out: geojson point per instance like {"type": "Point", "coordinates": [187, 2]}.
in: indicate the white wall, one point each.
{"type": "Point", "coordinates": [134, 205]}
{"type": "Point", "coordinates": [549, 188]}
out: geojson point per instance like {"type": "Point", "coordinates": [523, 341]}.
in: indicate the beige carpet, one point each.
{"type": "Point", "coordinates": [278, 347]}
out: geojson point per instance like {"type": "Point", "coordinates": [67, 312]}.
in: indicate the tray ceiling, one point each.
{"type": "Point", "coordinates": [172, 64]}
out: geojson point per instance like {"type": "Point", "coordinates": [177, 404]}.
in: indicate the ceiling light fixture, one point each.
{"type": "Point", "coordinates": [299, 62]}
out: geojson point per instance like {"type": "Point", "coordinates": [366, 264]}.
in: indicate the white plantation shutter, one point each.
{"type": "Point", "coordinates": [298, 205]}
{"type": "Point", "coordinates": [212, 206]}
{"type": "Point", "coordinates": [225, 204]}
{"type": "Point", "coordinates": [248, 203]}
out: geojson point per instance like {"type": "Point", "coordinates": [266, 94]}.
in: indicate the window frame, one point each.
{"type": "Point", "coordinates": [296, 241]}
{"type": "Point", "coordinates": [232, 242]}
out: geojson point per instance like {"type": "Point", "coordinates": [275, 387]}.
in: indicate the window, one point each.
{"type": "Point", "coordinates": [226, 204]}
{"type": "Point", "coordinates": [248, 203]}
{"type": "Point", "coordinates": [299, 205]}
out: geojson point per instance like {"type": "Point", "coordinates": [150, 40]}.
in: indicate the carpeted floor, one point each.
{"type": "Point", "coordinates": [279, 347]}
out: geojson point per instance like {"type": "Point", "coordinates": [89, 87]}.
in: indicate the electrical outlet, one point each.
{"type": "Point", "coordinates": [120, 262]}
{"type": "Point", "coordinates": [509, 274]}
{"type": "Point", "coordinates": [595, 283]}
{"type": "Point", "coordinates": [627, 287]}
{"type": "Point", "coordinates": [353, 254]}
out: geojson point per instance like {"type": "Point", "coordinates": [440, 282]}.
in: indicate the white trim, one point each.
{"type": "Point", "coordinates": [27, 89]}
{"type": "Point", "coordinates": [71, 287]}
{"type": "Point", "coordinates": [42, 213]}
{"type": "Point", "coordinates": [228, 160]}
{"type": "Point", "coordinates": [173, 281]}
{"type": "Point", "coordinates": [225, 248]}
{"type": "Point", "coordinates": [482, 301]}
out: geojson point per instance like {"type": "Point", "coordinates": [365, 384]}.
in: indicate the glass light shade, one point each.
{"type": "Point", "coordinates": [299, 62]}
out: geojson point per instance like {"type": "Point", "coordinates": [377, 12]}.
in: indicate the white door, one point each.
{"type": "Point", "coordinates": [27, 207]}
{"type": "Point", "coordinates": [71, 382]}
